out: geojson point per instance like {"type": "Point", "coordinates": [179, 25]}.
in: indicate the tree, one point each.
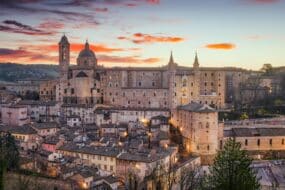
{"type": "Point", "coordinates": [190, 178]}
{"type": "Point", "coordinates": [231, 169]}
{"type": "Point", "coordinates": [244, 116]}
{"type": "Point", "coordinates": [267, 69]}
{"type": "Point", "coordinates": [9, 156]}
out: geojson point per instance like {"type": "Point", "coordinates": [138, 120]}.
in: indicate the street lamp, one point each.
{"type": "Point", "coordinates": [147, 123]}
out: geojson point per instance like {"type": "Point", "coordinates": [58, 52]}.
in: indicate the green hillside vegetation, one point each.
{"type": "Point", "coordinates": [12, 71]}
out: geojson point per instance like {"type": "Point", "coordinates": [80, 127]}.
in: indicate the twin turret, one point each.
{"type": "Point", "coordinates": [172, 65]}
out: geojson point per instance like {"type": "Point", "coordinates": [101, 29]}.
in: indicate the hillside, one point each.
{"type": "Point", "coordinates": [12, 71]}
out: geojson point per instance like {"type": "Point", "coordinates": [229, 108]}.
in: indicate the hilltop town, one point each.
{"type": "Point", "coordinates": [93, 127]}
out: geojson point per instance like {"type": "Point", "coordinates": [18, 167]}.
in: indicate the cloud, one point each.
{"type": "Point", "coordinates": [153, 1]}
{"type": "Point", "coordinates": [221, 46]}
{"type": "Point", "coordinates": [45, 28]}
{"type": "Point", "coordinates": [140, 38]}
{"type": "Point", "coordinates": [127, 59]}
{"type": "Point", "coordinates": [23, 56]}
{"type": "Point", "coordinates": [48, 24]}
{"type": "Point", "coordinates": [77, 47]}
{"type": "Point", "coordinates": [13, 26]}
{"type": "Point", "coordinates": [101, 9]}
{"type": "Point", "coordinates": [48, 54]}
{"type": "Point", "coordinates": [40, 7]}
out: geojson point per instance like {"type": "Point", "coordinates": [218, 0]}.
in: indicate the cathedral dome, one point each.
{"type": "Point", "coordinates": [86, 52]}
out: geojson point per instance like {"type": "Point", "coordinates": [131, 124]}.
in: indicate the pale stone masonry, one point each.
{"type": "Point", "coordinates": [156, 87]}
{"type": "Point", "coordinates": [198, 124]}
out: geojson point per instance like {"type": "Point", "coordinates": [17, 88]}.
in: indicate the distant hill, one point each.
{"type": "Point", "coordinates": [13, 71]}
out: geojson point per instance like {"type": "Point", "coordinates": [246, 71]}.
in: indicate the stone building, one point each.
{"type": "Point", "coordinates": [259, 138]}
{"type": "Point", "coordinates": [159, 87]}
{"type": "Point", "coordinates": [47, 90]}
{"type": "Point", "coordinates": [198, 124]}
{"type": "Point", "coordinates": [14, 115]}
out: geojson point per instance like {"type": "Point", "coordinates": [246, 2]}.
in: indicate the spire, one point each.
{"type": "Point", "coordinates": [171, 60]}
{"type": "Point", "coordinates": [196, 61]}
{"type": "Point", "coordinates": [64, 39]}
{"type": "Point", "coordinates": [86, 44]}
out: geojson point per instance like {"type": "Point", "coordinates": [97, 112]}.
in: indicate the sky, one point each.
{"type": "Point", "coordinates": [142, 33]}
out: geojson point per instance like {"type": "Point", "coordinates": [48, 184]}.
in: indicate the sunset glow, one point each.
{"type": "Point", "coordinates": [226, 33]}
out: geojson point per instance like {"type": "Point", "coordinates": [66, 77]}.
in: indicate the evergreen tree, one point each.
{"type": "Point", "coordinates": [231, 169]}
{"type": "Point", "coordinates": [9, 156]}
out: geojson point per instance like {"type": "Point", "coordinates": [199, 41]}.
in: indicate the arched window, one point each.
{"type": "Point", "coordinates": [184, 83]}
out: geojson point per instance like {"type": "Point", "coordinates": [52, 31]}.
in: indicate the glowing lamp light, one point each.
{"type": "Point", "coordinates": [145, 121]}
{"type": "Point", "coordinates": [137, 166]}
{"type": "Point", "coordinates": [84, 185]}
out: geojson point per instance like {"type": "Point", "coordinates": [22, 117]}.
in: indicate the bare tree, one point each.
{"type": "Point", "coordinates": [190, 179]}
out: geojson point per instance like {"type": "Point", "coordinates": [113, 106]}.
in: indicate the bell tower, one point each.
{"type": "Point", "coordinates": [64, 54]}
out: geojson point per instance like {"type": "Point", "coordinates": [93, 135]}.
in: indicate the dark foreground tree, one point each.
{"type": "Point", "coordinates": [231, 169]}
{"type": "Point", "coordinates": [9, 156]}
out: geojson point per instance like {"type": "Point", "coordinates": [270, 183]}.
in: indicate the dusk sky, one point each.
{"type": "Point", "coordinates": [233, 33]}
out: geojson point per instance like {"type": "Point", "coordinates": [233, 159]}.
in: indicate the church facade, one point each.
{"type": "Point", "coordinates": [167, 87]}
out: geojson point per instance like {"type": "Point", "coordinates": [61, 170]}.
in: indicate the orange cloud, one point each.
{"type": "Point", "coordinates": [48, 53]}
{"type": "Point", "coordinates": [140, 38]}
{"type": "Point", "coordinates": [77, 47]}
{"type": "Point", "coordinates": [23, 56]}
{"type": "Point", "coordinates": [221, 46]}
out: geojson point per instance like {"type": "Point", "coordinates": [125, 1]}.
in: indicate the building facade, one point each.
{"type": "Point", "coordinates": [158, 87]}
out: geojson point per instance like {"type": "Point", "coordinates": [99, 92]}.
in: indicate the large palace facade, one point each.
{"type": "Point", "coordinates": [168, 87]}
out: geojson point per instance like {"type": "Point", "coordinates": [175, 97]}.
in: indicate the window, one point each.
{"type": "Point", "coordinates": [245, 143]}
{"type": "Point", "coordinates": [153, 84]}
{"type": "Point", "coordinates": [258, 142]}
{"type": "Point", "coordinates": [72, 91]}
{"type": "Point", "coordinates": [207, 125]}
{"type": "Point", "coordinates": [140, 83]}
{"type": "Point", "coordinates": [208, 147]}
{"type": "Point", "coordinates": [184, 83]}
{"type": "Point", "coordinates": [270, 141]}
{"type": "Point", "coordinates": [111, 168]}
{"type": "Point", "coordinates": [283, 141]}
{"type": "Point", "coordinates": [205, 84]}
{"type": "Point", "coordinates": [105, 167]}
